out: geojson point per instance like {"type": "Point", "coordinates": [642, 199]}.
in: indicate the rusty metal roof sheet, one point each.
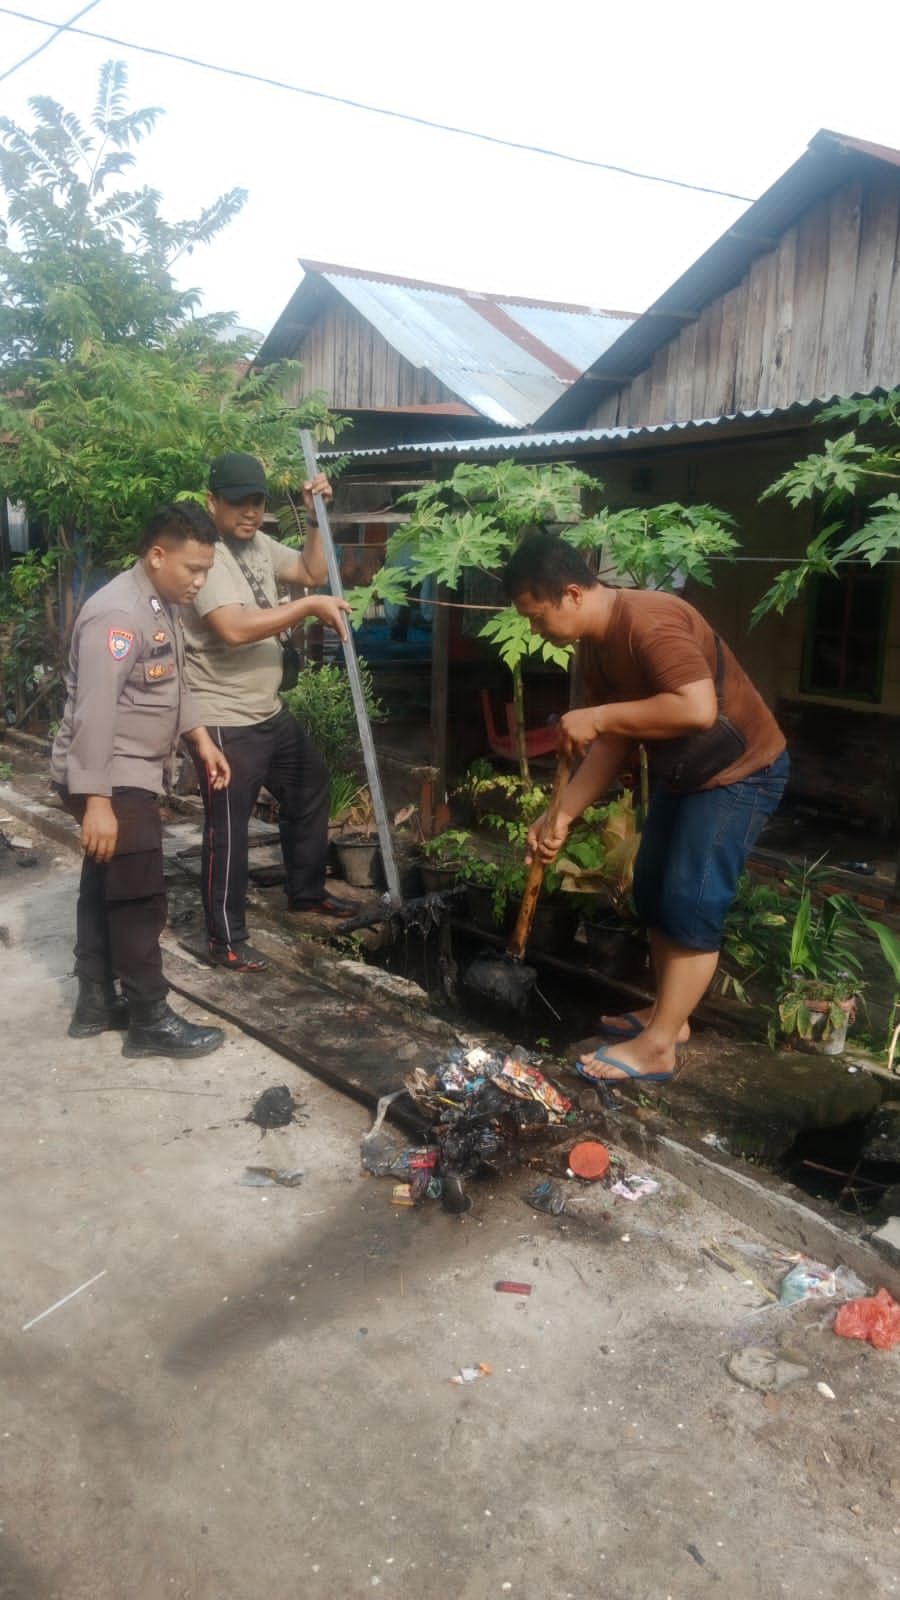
{"type": "Point", "coordinates": [506, 357]}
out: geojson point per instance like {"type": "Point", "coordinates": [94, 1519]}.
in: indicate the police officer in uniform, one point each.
{"type": "Point", "coordinates": [126, 709]}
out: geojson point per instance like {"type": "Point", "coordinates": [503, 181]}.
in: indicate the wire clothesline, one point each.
{"type": "Point", "coordinates": [472, 605]}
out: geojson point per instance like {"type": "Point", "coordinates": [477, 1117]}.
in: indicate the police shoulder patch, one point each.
{"type": "Point", "coordinates": [119, 643]}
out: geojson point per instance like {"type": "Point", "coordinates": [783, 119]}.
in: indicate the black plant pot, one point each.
{"type": "Point", "coordinates": [555, 925]}
{"type": "Point", "coordinates": [616, 948]}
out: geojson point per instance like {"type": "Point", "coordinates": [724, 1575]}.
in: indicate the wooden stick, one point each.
{"type": "Point", "coordinates": [516, 946]}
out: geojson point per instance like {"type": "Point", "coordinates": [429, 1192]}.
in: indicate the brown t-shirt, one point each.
{"type": "Point", "coordinates": [657, 643]}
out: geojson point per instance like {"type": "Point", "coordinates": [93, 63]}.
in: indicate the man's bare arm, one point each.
{"type": "Point", "coordinates": [237, 624]}
{"type": "Point", "coordinates": [661, 716]}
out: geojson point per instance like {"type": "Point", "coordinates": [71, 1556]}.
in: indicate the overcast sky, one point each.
{"type": "Point", "coordinates": [704, 91]}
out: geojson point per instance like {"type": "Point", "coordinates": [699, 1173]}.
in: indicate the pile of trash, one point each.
{"type": "Point", "coordinates": [485, 1084]}
{"type": "Point", "coordinates": [479, 1104]}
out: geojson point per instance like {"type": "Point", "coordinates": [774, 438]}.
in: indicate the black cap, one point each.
{"type": "Point", "coordinates": [235, 476]}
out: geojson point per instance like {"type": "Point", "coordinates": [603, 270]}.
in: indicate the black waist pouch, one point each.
{"type": "Point", "coordinates": [691, 762]}
{"type": "Point", "coordinates": [290, 665]}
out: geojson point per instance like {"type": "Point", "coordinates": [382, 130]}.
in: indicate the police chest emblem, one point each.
{"type": "Point", "coordinates": [119, 643]}
{"type": "Point", "coordinates": [161, 669]}
{"type": "Point", "coordinates": [160, 636]}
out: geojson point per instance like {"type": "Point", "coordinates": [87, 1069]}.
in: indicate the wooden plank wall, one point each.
{"type": "Point", "coordinates": [816, 316]}
{"type": "Point", "coordinates": [344, 356]}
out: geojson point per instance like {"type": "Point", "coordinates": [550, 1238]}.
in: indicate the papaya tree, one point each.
{"type": "Point", "coordinates": [474, 520]}
{"type": "Point", "coordinates": [847, 470]}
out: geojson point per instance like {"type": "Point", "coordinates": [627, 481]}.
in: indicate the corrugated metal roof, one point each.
{"type": "Point", "coordinates": [571, 333]}
{"type": "Point", "coordinates": [506, 357]}
{"type": "Point", "coordinates": [831, 159]}
{"type": "Point", "coordinates": [577, 438]}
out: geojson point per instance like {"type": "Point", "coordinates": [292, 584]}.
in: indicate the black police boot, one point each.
{"type": "Point", "coordinates": [156, 1030]}
{"type": "Point", "coordinates": [97, 1009]}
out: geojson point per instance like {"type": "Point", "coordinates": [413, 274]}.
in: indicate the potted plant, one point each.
{"type": "Point", "coordinates": [755, 940]}
{"type": "Point", "coordinates": [819, 992]}
{"type": "Point", "coordinates": [345, 794]}
{"type": "Point", "coordinates": [356, 844]}
{"type": "Point", "coordinates": [322, 702]}
{"type": "Point", "coordinates": [445, 858]}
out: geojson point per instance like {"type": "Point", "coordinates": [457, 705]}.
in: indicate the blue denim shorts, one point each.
{"type": "Point", "coordinates": [693, 851]}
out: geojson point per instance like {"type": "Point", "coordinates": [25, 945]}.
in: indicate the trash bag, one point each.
{"type": "Point", "coordinates": [875, 1319]}
{"type": "Point", "coordinates": [812, 1280]}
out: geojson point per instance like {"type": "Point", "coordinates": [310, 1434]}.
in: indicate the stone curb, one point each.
{"type": "Point", "coordinates": [47, 820]}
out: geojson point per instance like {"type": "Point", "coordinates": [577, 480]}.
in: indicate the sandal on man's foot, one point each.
{"type": "Point", "coordinates": [632, 1074]}
{"type": "Point", "coordinates": [628, 1026]}
{"type": "Point", "coordinates": [236, 957]}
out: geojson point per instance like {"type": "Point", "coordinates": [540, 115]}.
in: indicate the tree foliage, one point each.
{"type": "Point", "coordinates": [114, 392]}
{"type": "Point", "coordinates": [848, 470]}
{"type": "Point", "coordinates": [81, 257]}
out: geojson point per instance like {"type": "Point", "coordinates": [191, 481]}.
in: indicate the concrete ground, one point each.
{"type": "Point", "coordinates": [252, 1396]}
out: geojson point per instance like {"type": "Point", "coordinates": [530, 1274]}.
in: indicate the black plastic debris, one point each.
{"type": "Point", "coordinates": [274, 1109]}
{"type": "Point", "coordinates": [13, 851]}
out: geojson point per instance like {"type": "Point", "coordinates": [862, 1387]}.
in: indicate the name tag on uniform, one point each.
{"type": "Point", "coordinates": [160, 650]}
{"type": "Point", "coordinates": [119, 643]}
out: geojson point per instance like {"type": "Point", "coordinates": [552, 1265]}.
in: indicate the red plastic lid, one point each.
{"type": "Point", "coordinates": [589, 1160]}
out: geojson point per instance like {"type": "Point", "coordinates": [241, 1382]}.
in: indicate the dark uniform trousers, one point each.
{"type": "Point", "coordinates": [122, 903]}
{"type": "Point", "coordinates": [277, 754]}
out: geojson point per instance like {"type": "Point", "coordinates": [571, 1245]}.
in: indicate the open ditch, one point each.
{"type": "Point", "coordinates": [853, 1165]}
{"type": "Point", "coordinates": [843, 1163]}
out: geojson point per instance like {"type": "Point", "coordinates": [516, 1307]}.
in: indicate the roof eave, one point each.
{"type": "Point", "coordinates": [829, 161]}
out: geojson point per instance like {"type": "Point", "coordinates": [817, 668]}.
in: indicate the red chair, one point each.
{"type": "Point", "coordinates": [538, 741]}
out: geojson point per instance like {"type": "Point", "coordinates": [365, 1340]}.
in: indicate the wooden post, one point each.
{"type": "Point", "coordinates": [440, 680]}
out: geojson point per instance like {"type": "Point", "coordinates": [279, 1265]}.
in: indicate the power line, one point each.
{"type": "Point", "coordinates": [378, 111]}
{"type": "Point", "coordinates": [64, 27]}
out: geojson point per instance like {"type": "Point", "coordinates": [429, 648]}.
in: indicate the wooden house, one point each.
{"type": "Point", "coordinates": [714, 392]}
{"type": "Point", "coordinates": [407, 360]}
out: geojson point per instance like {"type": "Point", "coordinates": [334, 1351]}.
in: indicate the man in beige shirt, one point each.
{"type": "Point", "coordinates": [234, 665]}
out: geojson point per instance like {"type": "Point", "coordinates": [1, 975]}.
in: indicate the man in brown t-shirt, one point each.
{"type": "Point", "coordinates": [653, 672]}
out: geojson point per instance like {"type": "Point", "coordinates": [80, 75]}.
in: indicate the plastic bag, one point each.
{"type": "Point", "coordinates": [812, 1280]}
{"type": "Point", "coordinates": [875, 1319]}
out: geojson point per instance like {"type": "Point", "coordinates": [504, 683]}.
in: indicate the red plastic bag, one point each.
{"type": "Point", "coordinates": [876, 1319]}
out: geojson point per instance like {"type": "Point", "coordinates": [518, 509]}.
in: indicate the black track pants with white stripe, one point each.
{"type": "Point", "coordinates": [279, 755]}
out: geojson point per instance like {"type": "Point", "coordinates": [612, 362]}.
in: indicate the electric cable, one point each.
{"type": "Point", "coordinates": [379, 111]}
{"type": "Point", "coordinates": [62, 27]}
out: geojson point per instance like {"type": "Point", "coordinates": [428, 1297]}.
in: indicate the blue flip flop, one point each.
{"type": "Point", "coordinates": [635, 1026]}
{"type": "Point", "coordinates": [630, 1072]}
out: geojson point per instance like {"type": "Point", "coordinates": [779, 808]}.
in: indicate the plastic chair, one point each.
{"type": "Point", "coordinates": [538, 741]}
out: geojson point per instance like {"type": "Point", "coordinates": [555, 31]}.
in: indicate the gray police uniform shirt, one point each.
{"type": "Point", "coordinates": [126, 703]}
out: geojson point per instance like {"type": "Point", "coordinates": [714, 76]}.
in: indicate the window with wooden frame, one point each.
{"type": "Point", "coordinates": [846, 634]}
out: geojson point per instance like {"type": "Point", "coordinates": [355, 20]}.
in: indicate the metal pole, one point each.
{"type": "Point", "coordinates": [359, 699]}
